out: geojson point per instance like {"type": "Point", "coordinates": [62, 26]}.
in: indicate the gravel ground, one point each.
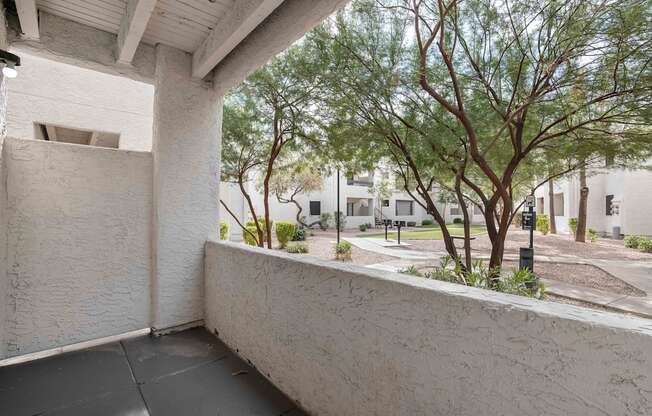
{"type": "Point", "coordinates": [322, 245]}
{"type": "Point", "coordinates": [547, 245]}
{"type": "Point", "coordinates": [582, 275]}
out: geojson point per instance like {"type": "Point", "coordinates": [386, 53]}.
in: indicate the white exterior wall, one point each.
{"type": "Point", "coordinates": [4, 284]}
{"type": "Point", "coordinates": [60, 94]}
{"type": "Point", "coordinates": [78, 230]}
{"type": "Point", "coordinates": [346, 340]}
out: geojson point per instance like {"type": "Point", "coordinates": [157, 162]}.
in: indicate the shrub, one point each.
{"type": "Point", "coordinates": [543, 224]}
{"type": "Point", "coordinates": [363, 227]}
{"type": "Point", "coordinates": [224, 230]}
{"type": "Point", "coordinates": [297, 248]}
{"type": "Point", "coordinates": [369, 225]}
{"type": "Point", "coordinates": [645, 245]}
{"type": "Point", "coordinates": [284, 232]}
{"type": "Point", "coordinates": [518, 219]}
{"type": "Point", "coordinates": [411, 270]}
{"type": "Point", "coordinates": [248, 239]}
{"type": "Point", "coordinates": [343, 250]}
{"type": "Point", "coordinates": [519, 282]}
{"type": "Point", "coordinates": [457, 220]}
{"type": "Point", "coordinates": [262, 226]}
{"type": "Point", "coordinates": [592, 235]}
{"type": "Point", "coordinates": [299, 234]}
{"type": "Point", "coordinates": [324, 220]}
{"type": "Point", "coordinates": [572, 224]}
{"type": "Point", "coordinates": [411, 223]}
{"type": "Point", "coordinates": [427, 222]}
{"type": "Point", "coordinates": [342, 220]}
{"type": "Point", "coordinates": [632, 241]}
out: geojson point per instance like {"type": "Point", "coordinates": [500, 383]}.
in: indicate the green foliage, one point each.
{"type": "Point", "coordinates": [412, 270]}
{"type": "Point", "coordinates": [342, 220]}
{"type": "Point", "coordinates": [592, 235]}
{"type": "Point", "coordinates": [633, 241]}
{"type": "Point", "coordinates": [299, 234]}
{"type": "Point", "coordinates": [343, 250]}
{"type": "Point", "coordinates": [324, 220]}
{"type": "Point", "coordinates": [572, 224]}
{"type": "Point", "coordinates": [427, 222]}
{"type": "Point", "coordinates": [224, 230]}
{"type": "Point", "coordinates": [263, 227]}
{"type": "Point", "coordinates": [362, 227]}
{"type": "Point", "coordinates": [543, 223]}
{"type": "Point", "coordinates": [284, 232]}
{"type": "Point", "coordinates": [411, 223]}
{"type": "Point", "coordinates": [518, 219]}
{"type": "Point", "coordinates": [645, 245]}
{"type": "Point", "coordinates": [519, 282]}
{"type": "Point", "coordinates": [248, 239]}
{"type": "Point", "coordinates": [458, 220]}
{"type": "Point", "coordinates": [297, 248]}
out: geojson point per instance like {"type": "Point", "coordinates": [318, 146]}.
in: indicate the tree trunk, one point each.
{"type": "Point", "coordinates": [467, 224]}
{"type": "Point", "coordinates": [299, 211]}
{"type": "Point", "coordinates": [580, 233]}
{"type": "Point", "coordinates": [551, 204]}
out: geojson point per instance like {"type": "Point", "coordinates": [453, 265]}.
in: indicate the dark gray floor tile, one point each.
{"type": "Point", "coordinates": [50, 383]}
{"type": "Point", "coordinates": [122, 403]}
{"type": "Point", "coordinates": [152, 357]}
{"type": "Point", "coordinates": [227, 387]}
{"type": "Point", "coordinates": [295, 412]}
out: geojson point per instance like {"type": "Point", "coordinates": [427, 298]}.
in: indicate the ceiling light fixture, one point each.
{"type": "Point", "coordinates": [10, 62]}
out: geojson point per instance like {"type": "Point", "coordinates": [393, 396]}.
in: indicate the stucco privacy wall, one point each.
{"type": "Point", "coordinates": [3, 218]}
{"type": "Point", "coordinates": [60, 94]}
{"type": "Point", "coordinates": [78, 226]}
{"type": "Point", "coordinates": [344, 340]}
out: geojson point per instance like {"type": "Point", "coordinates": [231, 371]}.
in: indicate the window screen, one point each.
{"type": "Point", "coordinates": [315, 207]}
{"type": "Point", "coordinates": [404, 207]}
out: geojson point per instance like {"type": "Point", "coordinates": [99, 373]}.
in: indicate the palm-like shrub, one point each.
{"type": "Point", "coordinates": [543, 223]}
{"type": "Point", "coordinates": [343, 250]}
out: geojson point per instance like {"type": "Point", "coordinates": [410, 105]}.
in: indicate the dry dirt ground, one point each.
{"type": "Point", "coordinates": [321, 244]}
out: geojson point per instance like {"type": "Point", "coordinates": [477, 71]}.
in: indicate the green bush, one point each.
{"type": "Point", "coordinates": [427, 222]}
{"type": "Point", "coordinates": [411, 223]}
{"type": "Point", "coordinates": [262, 226]}
{"type": "Point", "coordinates": [645, 245]}
{"type": "Point", "coordinates": [299, 234]}
{"type": "Point", "coordinates": [324, 221]}
{"type": "Point", "coordinates": [343, 250]}
{"type": "Point", "coordinates": [519, 282]}
{"type": "Point", "coordinates": [632, 241]}
{"type": "Point", "coordinates": [248, 239]}
{"type": "Point", "coordinates": [297, 248]}
{"type": "Point", "coordinates": [457, 220]}
{"type": "Point", "coordinates": [362, 227]}
{"type": "Point", "coordinates": [592, 235]}
{"type": "Point", "coordinates": [572, 224]}
{"type": "Point", "coordinates": [224, 231]}
{"type": "Point", "coordinates": [284, 232]}
{"type": "Point", "coordinates": [543, 224]}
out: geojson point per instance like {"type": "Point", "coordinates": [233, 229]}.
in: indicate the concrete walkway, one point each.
{"type": "Point", "coordinates": [637, 274]}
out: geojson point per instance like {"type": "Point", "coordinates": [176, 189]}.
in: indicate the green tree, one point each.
{"type": "Point", "coordinates": [295, 179]}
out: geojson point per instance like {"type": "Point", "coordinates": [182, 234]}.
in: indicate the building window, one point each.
{"type": "Point", "coordinates": [349, 209]}
{"type": "Point", "coordinates": [315, 207]}
{"type": "Point", "coordinates": [404, 208]}
{"type": "Point", "coordinates": [559, 205]}
{"type": "Point", "coordinates": [609, 208]}
{"type": "Point", "coordinates": [455, 210]}
{"type": "Point", "coordinates": [541, 205]}
{"type": "Point", "coordinates": [385, 202]}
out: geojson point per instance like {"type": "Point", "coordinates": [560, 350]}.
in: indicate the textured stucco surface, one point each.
{"type": "Point", "coordinates": [78, 226]}
{"type": "Point", "coordinates": [3, 193]}
{"type": "Point", "coordinates": [185, 150]}
{"type": "Point", "coordinates": [343, 340]}
{"type": "Point", "coordinates": [64, 95]}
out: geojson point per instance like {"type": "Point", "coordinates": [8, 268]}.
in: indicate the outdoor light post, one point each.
{"type": "Point", "coordinates": [528, 222]}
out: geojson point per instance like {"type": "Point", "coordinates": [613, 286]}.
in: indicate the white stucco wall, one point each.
{"type": "Point", "coordinates": [345, 340]}
{"type": "Point", "coordinates": [78, 227]}
{"type": "Point", "coordinates": [3, 200]}
{"type": "Point", "coordinates": [60, 94]}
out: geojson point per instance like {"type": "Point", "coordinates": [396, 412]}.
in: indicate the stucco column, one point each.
{"type": "Point", "coordinates": [186, 150]}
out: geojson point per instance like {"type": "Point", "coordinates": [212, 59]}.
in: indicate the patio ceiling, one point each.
{"type": "Point", "coordinates": [209, 29]}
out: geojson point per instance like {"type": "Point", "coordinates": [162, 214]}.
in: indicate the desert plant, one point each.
{"type": "Point", "coordinates": [457, 220]}
{"type": "Point", "coordinates": [324, 221]}
{"type": "Point", "coordinates": [252, 225]}
{"type": "Point", "coordinates": [343, 250]}
{"type": "Point", "coordinates": [592, 235]}
{"type": "Point", "coordinates": [363, 227]}
{"type": "Point", "coordinates": [299, 234]}
{"type": "Point", "coordinates": [297, 248]}
{"type": "Point", "coordinates": [284, 232]}
{"type": "Point", "coordinates": [247, 236]}
{"type": "Point", "coordinates": [543, 223]}
{"type": "Point", "coordinates": [427, 222]}
{"type": "Point", "coordinates": [411, 270]}
{"type": "Point", "coordinates": [632, 241]}
{"type": "Point", "coordinates": [342, 220]}
{"type": "Point", "coordinates": [224, 230]}
{"type": "Point", "coordinates": [645, 245]}
{"type": "Point", "coordinates": [572, 224]}
{"type": "Point", "coordinates": [411, 223]}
